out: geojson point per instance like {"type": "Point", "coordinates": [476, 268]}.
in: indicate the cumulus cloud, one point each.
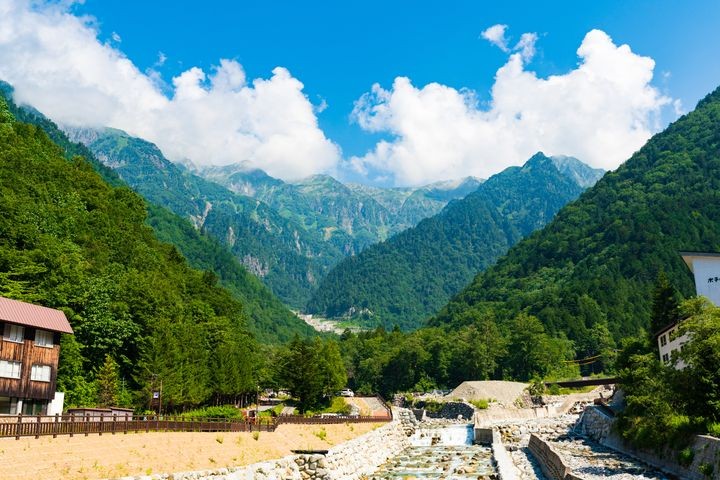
{"type": "Point", "coordinates": [57, 64]}
{"type": "Point", "coordinates": [496, 36]}
{"type": "Point", "coordinates": [601, 112]}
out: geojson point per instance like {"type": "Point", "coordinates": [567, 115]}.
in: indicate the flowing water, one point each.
{"type": "Point", "coordinates": [440, 452]}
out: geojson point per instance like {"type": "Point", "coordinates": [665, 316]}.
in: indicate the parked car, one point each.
{"type": "Point", "coordinates": [346, 392]}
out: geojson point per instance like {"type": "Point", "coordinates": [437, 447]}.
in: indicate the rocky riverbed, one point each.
{"type": "Point", "coordinates": [587, 459]}
{"type": "Point", "coordinates": [592, 461]}
{"type": "Point", "coordinates": [440, 462]}
{"type": "Point", "coordinates": [440, 451]}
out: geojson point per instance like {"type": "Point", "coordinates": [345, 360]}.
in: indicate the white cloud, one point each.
{"type": "Point", "coordinates": [57, 64]}
{"type": "Point", "coordinates": [116, 37]}
{"type": "Point", "coordinates": [496, 36]}
{"type": "Point", "coordinates": [526, 46]}
{"type": "Point", "coordinates": [600, 112]}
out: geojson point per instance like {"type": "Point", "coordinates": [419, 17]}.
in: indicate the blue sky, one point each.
{"type": "Point", "coordinates": [340, 49]}
{"type": "Point", "coordinates": [449, 103]}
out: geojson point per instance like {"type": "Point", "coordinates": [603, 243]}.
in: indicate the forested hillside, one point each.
{"type": "Point", "coordinates": [288, 258]}
{"type": "Point", "coordinates": [69, 240]}
{"type": "Point", "coordinates": [413, 274]}
{"type": "Point", "coordinates": [594, 266]}
{"type": "Point", "coordinates": [268, 319]}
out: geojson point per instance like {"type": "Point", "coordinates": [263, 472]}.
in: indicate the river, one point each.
{"type": "Point", "coordinates": [440, 452]}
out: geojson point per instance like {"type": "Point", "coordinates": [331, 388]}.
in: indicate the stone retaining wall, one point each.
{"type": "Point", "coordinates": [551, 462]}
{"type": "Point", "coordinates": [347, 461]}
{"type": "Point", "coordinates": [599, 427]}
{"type": "Point", "coordinates": [455, 410]}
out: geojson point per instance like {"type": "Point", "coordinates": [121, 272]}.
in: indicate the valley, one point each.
{"type": "Point", "coordinates": [307, 243]}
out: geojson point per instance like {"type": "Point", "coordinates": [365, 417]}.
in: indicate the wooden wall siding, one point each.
{"type": "Point", "coordinates": [29, 355]}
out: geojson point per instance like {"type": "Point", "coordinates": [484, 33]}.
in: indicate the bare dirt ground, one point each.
{"type": "Point", "coordinates": [111, 456]}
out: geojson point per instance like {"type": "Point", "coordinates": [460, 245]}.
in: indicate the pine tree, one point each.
{"type": "Point", "coordinates": [108, 383]}
{"type": "Point", "coordinates": [664, 304]}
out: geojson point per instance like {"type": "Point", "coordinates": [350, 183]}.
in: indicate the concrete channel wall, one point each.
{"type": "Point", "coordinates": [551, 462]}
{"type": "Point", "coordinates": [706, 450]}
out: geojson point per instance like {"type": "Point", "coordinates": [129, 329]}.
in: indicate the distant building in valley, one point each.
{"type": "Point", "coordinates": [705, 267]}
{"type": "Point", "coordinates": [29, 354]}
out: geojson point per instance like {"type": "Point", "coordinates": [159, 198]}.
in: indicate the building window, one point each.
{"type": "Point", "coordinates": [13, 333]}
{"type": "Point", "coordinates": [43, 338]}
{"type": "Point", "coordinates": [8, 406]}
{"type": "Point", "coordinates": [10, 369]}
{"type": "Point", "coordinates": [40, 373]}
{"type": "Point", "coordinates": [34, 407]}
{"type": "Point", "coordinates": [666, 358]}
{"type": "Point", "coordinates": [663, 341]}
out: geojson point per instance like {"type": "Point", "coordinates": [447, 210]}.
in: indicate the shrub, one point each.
{"type": "Point", "coordinates": [339, 406]}
{"type": "Point", "coordinates": [225, 411]}
{"type": "Point", "coordinates": [321, 434]}
{"type": "Point", "coordinates": [481, 404]}
{"type": "Point", "coordinates": [714, 429]}
{"type": "Point", "coordinates": [554, 389]}
{"type": "Point", "coordinates": [536, 388]}
{"type": "Point", "coordinates": [256, 435]}
{"type": "Point", "coordinates": [706, 469]}
{"type": "Point", "coordinates": [686, 456]}
{"type": "Point", "coordinates": [433, 407]}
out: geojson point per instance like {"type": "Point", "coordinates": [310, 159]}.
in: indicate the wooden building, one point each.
{"type": "Point", "coordinates": [29, 354]}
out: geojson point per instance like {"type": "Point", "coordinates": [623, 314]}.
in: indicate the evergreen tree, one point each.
{"type": "Point", "coordinates": [108, 383]}
{"type": "Point", "coordinates": [664, 304]}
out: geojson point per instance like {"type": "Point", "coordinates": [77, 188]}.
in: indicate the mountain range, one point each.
{"type": "Point", "coordinates": [288, 234]}
{"type": "Point", "coordinates": [351, 217]}
{"type": "Point", "coordinates": [409, 277]}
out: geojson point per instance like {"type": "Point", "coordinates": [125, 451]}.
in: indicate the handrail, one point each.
{"type": "Point", "coordinates": [43, 425]}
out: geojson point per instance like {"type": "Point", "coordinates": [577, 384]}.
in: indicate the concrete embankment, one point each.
{"type": "Point", "coordinates": [705, 450]}
{"type": "Point", "coordinates": [552, 463]}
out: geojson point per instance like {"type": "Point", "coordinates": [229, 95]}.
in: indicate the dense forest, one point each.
{"type": "Point", "coordinates": [409, 277]}
{"type": "Point", "coordinates": [594, 267]}
{"type": "Point", "coordinates": [68, 240]}
{"type": "Point", "coordinates": [268, 319]}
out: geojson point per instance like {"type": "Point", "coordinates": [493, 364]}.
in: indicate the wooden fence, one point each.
{"type": "Point", "coordinates": [44, 425]}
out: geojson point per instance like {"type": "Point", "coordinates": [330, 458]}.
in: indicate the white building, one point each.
{"type": "Point", "coordinates": [705, 267]}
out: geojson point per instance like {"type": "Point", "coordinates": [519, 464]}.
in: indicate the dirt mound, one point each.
{"type": "Point", "coordinates": [503, 392]}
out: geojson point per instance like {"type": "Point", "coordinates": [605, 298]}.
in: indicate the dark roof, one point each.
{"type": "Point", "coordinates": [688, 257]}
{"type": "Point", "coordinates": [666, 328]}
{"type": "Point", "coordinates": [21, 313]}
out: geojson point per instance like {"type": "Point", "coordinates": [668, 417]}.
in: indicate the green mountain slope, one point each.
{"type": "Point", "coordinates": [69, 240]}
{"type": "Point", "coordinates": [597, 261]}
{"type": "Point", "coordinates": [409, 277]}
{"type": "Point", "coordinates": [351, 217]}
{"type": "Point", "coordinates": [268, 319]}
{"type": "Point", "coordinates": [288, 258]}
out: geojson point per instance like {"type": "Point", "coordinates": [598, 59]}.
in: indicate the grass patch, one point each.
{"type": "Point", "coordinates": [321, 434]}
{"type": "Point", "coordinates": [481, 404]}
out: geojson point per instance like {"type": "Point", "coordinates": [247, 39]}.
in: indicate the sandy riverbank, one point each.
{"type": "Point", "coordinates": [110, 456]}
